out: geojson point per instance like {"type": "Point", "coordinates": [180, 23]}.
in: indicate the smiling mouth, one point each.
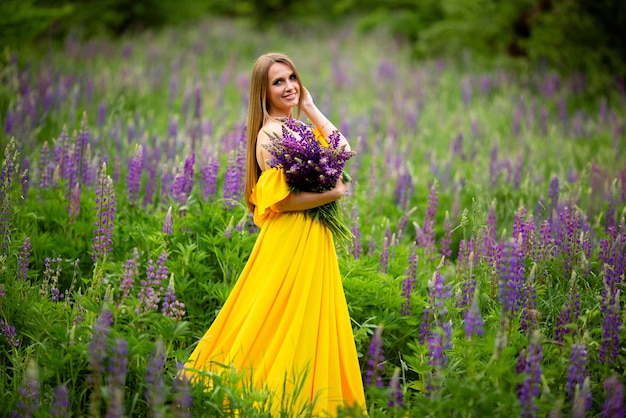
{"type": "Point", "coordinates": [290, 96]}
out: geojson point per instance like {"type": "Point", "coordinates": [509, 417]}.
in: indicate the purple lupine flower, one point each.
{"type": "Point", "coordinates": [23, 260]}
{"type": "Point", "coordinates": [151, 184]}
{"type": "Point", "coordinates": [60, 407]}
{"type": "Point", "coordinates": [150, 292]}
{"type": "Point", "coordinates": [447, 333]}
{"type": "Point", "coordinates": [446, 240]}
{"type": "Point", "coordinates": [62, 151]}
{"type": "Point", "coordinates": [465, 266]}
{"type": "Point", "coordinates": [133, 178]}
{"type": "Point", "coordinates": [130, 272]}
{"type": "Point", "coordinates": [543, 252]}
{"type": "Point", "coordinates": [234, 175]}
{"type": "Point", "coordinates": [436, 311]}
{"type": "Point", "coordinates": [529, 309]}
{"type": "Point", "coordinates": [494, 166]}
{"type": "Point", "coordinates": [182, 397]}
{"type": "Point", "coordinates": [530, 366]}
{"type": "Point", "coordinates": [9, 332]}
{"type": "Point", "coordinates": [562, 323]}
{"type": "Point", "coordinates": [613, 406]}
{"type": "Point", "coordinates": [376, 358]}
{"type": "Point", "coordinates": [436, 344]}
{"type": "Point", "coordinates": [99, 344]}
{"type": "Point", "coordinates": [232, 184]}
{"type": "Point", "coordinates": [71, 174]}
{"type": "Point", "coordinates": [511, 278]}
{"type": "Point", "coordinates": [577, 371]}
{"type": "Point", "coordinates": [457, 146]}
{"type": "Point", "coordinates": [520, 230]}
{"type": "Point", "coordinates": [56, 294]}
{"type": "Point", "coordinates": [176, 189]}
{"type": "Point", "coordinates": [45, 166]}
{"type": "Point", "coordinates": [167, 223]}
{"type": "Point", "coordinates": [102, 114]}
{"type": "Point", "coordinates": [252, 228]}
{"type": "Point", "coordinates": [155, 384]}
{"type": "Point", "coordinates": [171, 306]}
{"type": "Point", "coordinates": [404, 189]}
{"type": "Point", "coordinates": [402, 225]}
{"type": "Point", "coordinates": [569, 314]}
{"type": "Point", "coordinates": [611, 324]}
{"type": "Point", "coordinates": [467, 90]}
{"type": "Point", "coordinates": [425, 325]}
{"type": "Point", "coordinates": [9, 121]}
{"type": "Point", "coordinates": [208, 175]}
{"type": "Point", "coordinates": [116, 378]}
{"type": "Point", "coordinates": [383, 261]}
{"type": "Point", "coordinates": [408, 284]}
{"type": "Point", "coordinates": [51, 279]}
{"type": "Point", "coordinates": [357, 248]}
{"type": "Point", "coordinates": [105, 215]}
{"type": "Point", "coordinates": [473, 319]}
{"type": "Point", "coordinates": [183, 182]}
{"type": "Point", "coordinates": [371, 247]}
{"type": "Point", "coordinates": [28, 403]}
{"type": "Point", "coordinates": [396, 397]}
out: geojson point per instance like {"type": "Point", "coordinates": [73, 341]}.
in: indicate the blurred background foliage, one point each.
{"type": "Point", "coordinates": [570, 36]}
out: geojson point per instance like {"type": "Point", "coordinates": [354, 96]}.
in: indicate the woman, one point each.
{"type": "Point", "coordinates": [286, 321]}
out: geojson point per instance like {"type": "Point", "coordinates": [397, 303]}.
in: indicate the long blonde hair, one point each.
{"type": "Point", "coordinates": [258, 113]}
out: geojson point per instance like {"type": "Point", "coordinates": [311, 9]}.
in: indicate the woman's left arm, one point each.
{"type": "Point", "coordinates": [322, 123]}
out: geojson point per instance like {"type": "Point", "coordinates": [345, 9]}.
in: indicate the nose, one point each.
{"type": "Point", "coordinates": [290, 84]}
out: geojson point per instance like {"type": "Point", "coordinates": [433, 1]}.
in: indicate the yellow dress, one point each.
{"type": "Point", "coordinates": [286, 320]}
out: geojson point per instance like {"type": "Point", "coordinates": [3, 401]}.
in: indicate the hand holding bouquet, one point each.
{"type": "Point", "coordinates": [311, 165]}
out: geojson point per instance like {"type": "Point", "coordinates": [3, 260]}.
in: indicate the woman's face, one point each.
{"type": "Point", "coordinates": [283, 90]}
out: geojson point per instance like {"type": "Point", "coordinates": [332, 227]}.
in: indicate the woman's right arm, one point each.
{"type": "Point", "coordinates": [309, 200]}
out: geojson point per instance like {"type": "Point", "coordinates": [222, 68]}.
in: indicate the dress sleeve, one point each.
{"type": "Point", "coordinates": [320, 137]}
{"type": "Point", "coordinates": [270, 189]}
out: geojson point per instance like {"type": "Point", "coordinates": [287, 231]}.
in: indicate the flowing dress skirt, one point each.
{"type": "Point", "coordinates": [286, 321]}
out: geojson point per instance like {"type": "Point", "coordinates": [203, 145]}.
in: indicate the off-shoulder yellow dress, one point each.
{"type": "Point", "coordinates": [286, 321]}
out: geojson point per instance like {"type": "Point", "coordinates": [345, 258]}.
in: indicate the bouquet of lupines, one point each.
{"type": "Point", "coordinates": [313, 165]}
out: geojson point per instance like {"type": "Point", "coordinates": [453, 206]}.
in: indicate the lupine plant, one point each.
{"type": "Point", "coordinates": [488, 206]}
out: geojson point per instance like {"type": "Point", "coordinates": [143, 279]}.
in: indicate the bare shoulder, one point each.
{"type": "Point", "coordinates": [268, 131]}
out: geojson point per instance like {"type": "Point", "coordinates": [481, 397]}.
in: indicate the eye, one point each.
{"type": "Point", "coordinates": [278, 82]}
{"type": "Point", "coordinates": [293, 77]}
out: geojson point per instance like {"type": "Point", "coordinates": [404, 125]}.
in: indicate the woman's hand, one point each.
{"type": "Point", "coordinates": [310, 200]}
{"type": "Point", "coordinates": [340, 188]}
{"type": "Point", "coordinates": [307, 101]}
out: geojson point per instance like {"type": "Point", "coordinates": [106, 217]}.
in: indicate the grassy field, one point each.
{"type": "Point", "coordinates": [487, 204]}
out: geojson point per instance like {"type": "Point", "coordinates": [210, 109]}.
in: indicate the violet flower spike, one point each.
{"type": "Point", "coordinates": [376, 359]}
{"type": "Point", "coordinates": [613, 406]}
